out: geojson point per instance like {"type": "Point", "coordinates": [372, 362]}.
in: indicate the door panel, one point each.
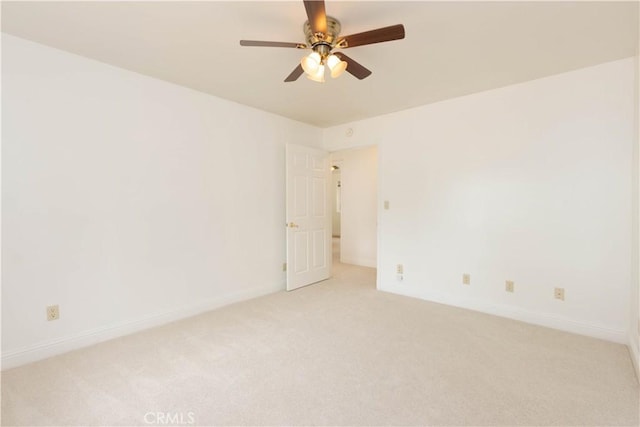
{"type": "Point", "coordinates": [301, 242]}
{"type": "Point", "coordinates": [308, 219]}
{"type": "Point", "coordinates": [319, 249]}
{"type": "Point", "coordinates": [300, 196]}
{"type": "Point", "coordinates": [319, 195]}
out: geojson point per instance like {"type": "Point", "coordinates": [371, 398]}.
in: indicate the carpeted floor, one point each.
{"type": "Point", "coordinates": [335, 353]}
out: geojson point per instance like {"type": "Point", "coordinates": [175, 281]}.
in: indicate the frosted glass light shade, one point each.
{"type": "Point", "coordinates": [318, 76]}
{"type": "Point", "coordinates": [336, 66]}
{"type": "Point", "coordinates": [311, 62]}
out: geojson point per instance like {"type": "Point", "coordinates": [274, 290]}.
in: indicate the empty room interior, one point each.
{"type": "Point", "coordinates": [294, 213]}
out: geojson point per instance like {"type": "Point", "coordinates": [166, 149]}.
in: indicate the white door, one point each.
{"type": "Point", "coordinates": [308, 216]}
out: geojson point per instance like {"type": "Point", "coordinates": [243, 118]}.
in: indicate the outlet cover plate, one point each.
{"type": "Point", "coordinates": [558, 293]}
{"type": "Point", "coordinates": [508, 286]}
{"type": "Point", "coordinates": [53, 312]}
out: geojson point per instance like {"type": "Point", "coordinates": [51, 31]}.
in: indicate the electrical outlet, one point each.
{"type": "Point", "coordinates": [386, 205]}
{"type": "Point", "coordinates": [400, 271]}
{"type": "Point", "coordinates": [558, 293]}
{"type": "Point", "coordinates": [466, 279]}
{"type": "Point", "coordinates": [508, 285]}
{"type": "Point", "coordinates": [53, 312]}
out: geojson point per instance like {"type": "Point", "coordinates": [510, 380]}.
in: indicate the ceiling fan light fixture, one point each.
{"type": "Point", "coordinates": [318, 75]}
{"type": "Point", "coordinates": [311, 63]}
{"type": "Point", "coordinates": [336, 65]}
{"type": "Point", "coordinates": [322, 34]}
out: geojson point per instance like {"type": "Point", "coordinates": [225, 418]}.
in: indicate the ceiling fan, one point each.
{"type": "Point", "coordinates": [323, 37]}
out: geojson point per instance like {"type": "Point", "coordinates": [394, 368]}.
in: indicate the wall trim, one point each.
{"type": "Point", "coordinates": [548, 320]}
{"type": "Point", "coordinates": [634, 352]}
{"type": "Point", "coordinates": [46, 349]}
{"type": "Point", "coordinates": [362, 262]}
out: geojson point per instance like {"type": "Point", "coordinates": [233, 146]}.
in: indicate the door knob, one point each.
{"type": "Point", "coordinates": [292, 225]}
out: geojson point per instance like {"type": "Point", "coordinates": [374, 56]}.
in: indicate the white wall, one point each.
{"type": "Point", "coordinates": [129, 201]}
{"type": "Point", "coordinates": [530, 183]}
{"type": "Point", "coordinates": [634, 318]}
{"type": "Point", "coordinates": [359, 171]}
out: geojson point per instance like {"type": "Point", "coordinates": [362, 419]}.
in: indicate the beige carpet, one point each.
{"type": "Point", "coordinates": [335, 353]}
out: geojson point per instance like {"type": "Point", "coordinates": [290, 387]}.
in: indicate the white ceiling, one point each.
{"type": "Point", "coordinates": [451, 48]}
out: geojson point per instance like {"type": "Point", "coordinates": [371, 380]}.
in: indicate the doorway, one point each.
{"type": "Point", "coordinates": [355, 206]}
{"type": "Point", "coordinates": [336, 214]}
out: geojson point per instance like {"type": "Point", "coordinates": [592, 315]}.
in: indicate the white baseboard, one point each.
{"type": "Point", "coordinates": [635, 356]}
{"type": "Point", "coordinates": [362, 262]}
{"type": "Point", "coordinates": [536, 318]}
{"type": "Point", "coordinates": [12, 359]}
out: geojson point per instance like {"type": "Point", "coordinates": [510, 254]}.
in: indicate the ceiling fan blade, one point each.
{"type": "Point", "coordinates": [316, 14]}
{"type": "Point", "coordinates": [394, 32]}
{"type": "Point", "coordinates": [354, 67]}
{"type": "Point", "coordinates": [297, 72]}
{"type": "Point", "coordinates": [271, 44]}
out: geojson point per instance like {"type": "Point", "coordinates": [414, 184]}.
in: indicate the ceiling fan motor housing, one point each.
{"type": "Point", "coordinates": [329, 38]}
